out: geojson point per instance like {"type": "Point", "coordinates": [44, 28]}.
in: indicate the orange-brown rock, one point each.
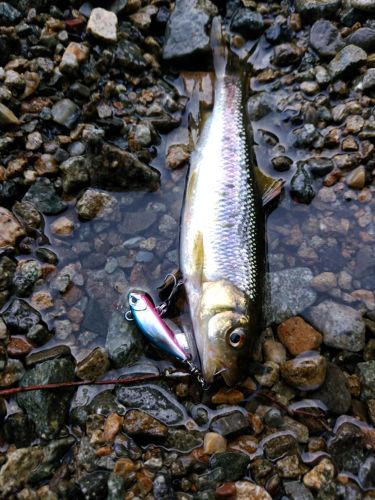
{"type": "Point", "coordinates": [139, 423]}
{"type": "Point", "coordinates": [298, 336]}
{"type": "Point", "coordinates": [112, 426]}
{"type": "Point", "coordinates": [226, 490]}
{"type": "Point", "coordinates": [18, 347]}
{"type": "Point", "coordinates": [10, 228]}
{"type": "Point", "coordinates": [123, 466]}
{"type": "Point", "coordinates": [227, 396]}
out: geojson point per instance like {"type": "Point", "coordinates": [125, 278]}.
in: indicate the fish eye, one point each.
{"type": "Point", "coordinates": [237, 338]}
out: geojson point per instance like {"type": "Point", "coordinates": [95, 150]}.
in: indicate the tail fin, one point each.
{"type": "Point", "coordinates": [219, 47]}
{"type": "Point", "coordinates": [225, 59]}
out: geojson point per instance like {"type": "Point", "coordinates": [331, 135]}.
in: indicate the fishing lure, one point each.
{"type": "Point", "coordinates": [148, 318]}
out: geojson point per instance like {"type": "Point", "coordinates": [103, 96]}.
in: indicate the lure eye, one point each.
{"type": "Point", "coordinates": [133, 300]}
{"type": "Point", "coordinates": [237, 338]}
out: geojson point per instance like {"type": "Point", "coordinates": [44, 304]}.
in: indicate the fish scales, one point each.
{"type": "Point", "coordinates": [223, 208]}
{"type": "Point", "coordinates": [222, 235]}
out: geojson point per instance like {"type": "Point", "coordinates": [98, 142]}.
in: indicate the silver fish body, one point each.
{"type": "Point", "coordinates": [222, 247]}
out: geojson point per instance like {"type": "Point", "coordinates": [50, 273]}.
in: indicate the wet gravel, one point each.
{"type": "Point", "coordinates": [99, 110]}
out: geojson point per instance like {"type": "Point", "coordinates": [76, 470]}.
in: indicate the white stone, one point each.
{"type": "Point", "coordinates": [103, 24]}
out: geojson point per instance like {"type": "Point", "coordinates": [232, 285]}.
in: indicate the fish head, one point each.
{"type": "Point", "coordinates": [227, 330]}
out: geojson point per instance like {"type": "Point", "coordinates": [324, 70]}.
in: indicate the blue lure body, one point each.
{"type": "Point", "coordinates": [153, 327]}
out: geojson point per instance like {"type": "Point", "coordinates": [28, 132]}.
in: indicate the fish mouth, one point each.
{"type": "Point", "coordinates": [213, 368]}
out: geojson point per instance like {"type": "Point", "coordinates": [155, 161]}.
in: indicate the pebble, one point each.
{"type": "Point", "coordinates": [10, 228]}
{"type": "Point", "coordinates": [314, 9]}
{"type": "Point", "coordinates": [34, 141]}
{"type": "Point", "coordinates": [274, 351]}
{"type": "Point", "coordinates": [319, 475]}
{"type": "Point", "coordinates": [286, 54]}
{"type": "Point", "coordinates": [94, 365]}
{"type": "Point", "coordinates": [368, 82]}
{"type": "Point", "coordinates": [214, 443]}
{"type": "Point", "coordinates": [233, 463]}
{"type": "Point", "coordinates": [62, 226]}
{"type": "Point", "coordinates": [357, 178]}
{"type": "Point", "coordinates": [18, 347]}
{"type": "Point", "coordinates": [297, 491]}
{"type": "Point", "coordinates": [232, 423]}
{"type": "Point", "coordinates": [298, 336]}
{"type": "Point", "coordinates": [260, 105]}
{"type": "Point", "coordinates": [96, 204]}
{"type": "Point", "coordinates": [342, 326]}
{"type": "Point", "coordinates": [290, 467]}
{"type": "Point", "coordinates": [346, 61]}
{"type": "Point", "coordinates": [103, 24]}
{"type": "Point", "coordinates": [65, 112]}
{"type": "Point", "coordinates": [74, 55]}
{"type": "Point", "coordinates": [325, 38]}
{"type": "Point", "coordinates": [367, 377]}
{"type": "Point", "coordinates": [324, 282]}
{"type": "Point", "coordinates": [177, 156]}
{"type": "Point", "coordinates": [270, 375]}
{"type": "Point", "coordinates": [246, 490]}
{"type": "Point", "coordinates": [8, 14]}
{"type": "Point", "coordinates": [112, 426]}
{"type": "Point", "coordinates": [363, 37]}
{"type": "Point", "coordinates": [306, 372]}
{"type": "Point", "coordinates": [139, 423]}
{"type": "Point", "coordinates": [301, 185]}
{"type": "Point", "coordinates": [282, 163]}
{"type": "Point", "coordinates": [12, 373]}
{"type": "Point", "coordinates": [227, 396]}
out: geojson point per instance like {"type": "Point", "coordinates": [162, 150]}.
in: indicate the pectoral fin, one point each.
{"type": "Point", "coordinates": [197, 257]}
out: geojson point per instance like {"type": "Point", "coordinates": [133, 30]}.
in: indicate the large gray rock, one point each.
{"type": "Point", "coordinates": [186, 37]}
{"type": "Point", "coordinates": [325, 38]}
{"type": "Point", "coordinates": [113, 167]}
{"type": "Point", "coordinates": [47, 409]}
{"type": "Point", "coordinates": [247, 22]}
{"type": "Point", "coordinates": [154, 400]}
{"type": "Point", "coordinates": [364, 38]}
{"type": "Point", "coordinates": [342, 326]}
{"type": "Point", "coordinates": [311, 10]}
{"type": "Point", "coordinates": [346, 61]}
{"type": "Point", "coordinates": [24, 465]}
{"type": "Point", "coordinates": [288, 294]}
{"type": "Point", "coordinates": [44, 196]}
{"type": "Point", "coordinates": [260, 105]}
{"type": "Point", "coordinates": [334, 393]}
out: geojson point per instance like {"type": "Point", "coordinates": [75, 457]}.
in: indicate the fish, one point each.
{"type": "Point", "coordinates": [222, 235]}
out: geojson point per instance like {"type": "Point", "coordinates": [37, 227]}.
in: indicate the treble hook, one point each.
{"type": "Point", "coordinates": [163, 307]}
{"type": "Point", "coordinates": [197, 374]}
